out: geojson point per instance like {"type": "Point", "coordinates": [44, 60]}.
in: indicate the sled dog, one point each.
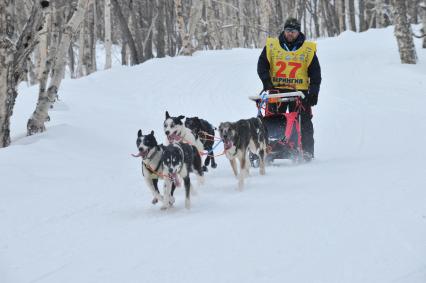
{"type": "Point", "coordinates": [240, 137]}
{"type": "Point", "coordinates": [205, 132]}
{"type": "Point", "coordinates": [152, 166]}
{"type": "Point", "coordinates": [176, 131]}
{"type": "Point", "coordinates": [179, 159]}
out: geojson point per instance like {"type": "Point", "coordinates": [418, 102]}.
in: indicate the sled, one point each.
{"type": "Point", "coordinates": [283, 129]}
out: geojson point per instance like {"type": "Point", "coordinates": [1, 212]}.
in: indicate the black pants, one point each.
{"type": "Point", "coordinates": [307, 128]}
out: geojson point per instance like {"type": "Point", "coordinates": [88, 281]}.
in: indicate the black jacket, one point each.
{"type": "Point", "coordinates": [314, 69]}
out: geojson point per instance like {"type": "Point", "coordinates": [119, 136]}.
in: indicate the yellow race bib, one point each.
{"type": "Point", "coordinates": [289, 69]}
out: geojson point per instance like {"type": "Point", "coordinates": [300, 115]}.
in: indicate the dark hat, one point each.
{"type": "Point", "coordinates": [292, 23]}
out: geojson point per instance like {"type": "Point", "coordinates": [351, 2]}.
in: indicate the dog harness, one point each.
{"type": "Point", "coordinates": [153, 172]}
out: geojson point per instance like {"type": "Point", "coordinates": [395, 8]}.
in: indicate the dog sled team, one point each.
{"type": "Point", "coordinates": [187, 142]}
{"type": "Point", "coordinates": [291, 76]}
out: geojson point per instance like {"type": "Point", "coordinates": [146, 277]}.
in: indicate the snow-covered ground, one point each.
{"type": "Point", "coordinates": [74, 207]}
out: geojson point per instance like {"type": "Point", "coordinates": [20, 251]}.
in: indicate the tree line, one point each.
{"type": "Point", "coordinates": [42, 40]}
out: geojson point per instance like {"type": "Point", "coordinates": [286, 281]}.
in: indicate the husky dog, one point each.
{"type": "Point", "coordinates": [179, 159]}
{"type": "Point", "coordinates": [205, 132]}
{"type": "Point", "coordinates": [238, 138]}
{"type": "Point", "coordinates": [176, 131]}
{"type": "Point", "coordinates": [152, 167]}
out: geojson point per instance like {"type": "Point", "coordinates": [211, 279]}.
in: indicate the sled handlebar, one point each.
{"type": "Point", "coordinates": [278, 97]}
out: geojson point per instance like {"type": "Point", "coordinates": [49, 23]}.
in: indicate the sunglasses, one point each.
{"type": "Point", "coordinates": [291, 30]}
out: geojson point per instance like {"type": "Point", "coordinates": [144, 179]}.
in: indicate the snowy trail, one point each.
{"type": "Point", "coordinates": [75, 208]}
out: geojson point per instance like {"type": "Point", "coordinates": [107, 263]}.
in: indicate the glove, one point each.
{"type": "Point", "coordinates": [313, 99]}
{"type": "Point", "coordinates": [313, 94]}
{"type": "Point", "coordinates": [267, 85]}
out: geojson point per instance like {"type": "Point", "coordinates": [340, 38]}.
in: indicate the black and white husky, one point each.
{"type": "Point", "coordinates": [205, 132]}
{"type": "Point", "coordinates": [179, 159]}
{"type": "Point", "coordinates": [152, 166]}
{"type": "Point", "coordinates": [176, 131]}
{"type": "Point", "coordinates": [240, 137]}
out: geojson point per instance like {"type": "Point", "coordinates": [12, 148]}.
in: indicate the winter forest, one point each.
{"type": "Point", "coordinates": [43, 41]}
{"type": "Point", "coordinates": [90, 88]}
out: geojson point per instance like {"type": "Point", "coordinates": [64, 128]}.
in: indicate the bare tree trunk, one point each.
{"type": "Point", "coordinates": [340, 10]}
{"type": "Point", "coordinates": [403, 33]}
{"type": "Point", "coordinates": [184, 36]}
{"type": "Point", "coordinates": [124, 51]}
{"type": "Point", "coordinates": [135, 11]}
{"type": "Point", "coordinates": [194, 17]}
{"type": "Point", "coordinates": [87, 42]}
{"type": "Point", "coordinates": [36, 122]}
{"type": "Point", "coordinates": [331, 19]}
{"type": "Point", "coordinates": [380, 14]}
{"type": "Point", "coordinates": [81, 68]}
{"type": "Point", "coordinates": [265, 13]}
{"type": "Point", "coordinates": [350, 14]}
{"type": "Point", "coordinates": [94, 37]}
{"type": "Point", "coordinates": [7, 83]}
{"type": "Point", "coordinates": [312, 8]}
{"type": "Point", "coordinates": [161, 30]}
{"type": "Point", "coordinates": [71, 61]}
{"type": "Point", "coordinates": [362, 22]}
{"type": "Point", "coordinates": [108, 42]}
{"type": "Point", "coordinates": [413, 11]}
{"type": "Point", "coordinates": [126, 33]}
{"type": "Point", "coordinates": [171, 28]}
{"type": "Point", "coordinates": [41, 50]}
{"type": "Point", "coordinates": [242, 23]}
{"type": "Point", "coordinates": [13, 57]}
{"type": "Point", "coordinates": [423, 8]}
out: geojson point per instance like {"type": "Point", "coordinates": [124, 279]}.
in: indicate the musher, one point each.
{"type": "Point", "coordinates": [290, 63]}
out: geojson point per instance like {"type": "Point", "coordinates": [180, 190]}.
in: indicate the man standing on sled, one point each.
{"type": "Point", "coordinates": [290, 63]}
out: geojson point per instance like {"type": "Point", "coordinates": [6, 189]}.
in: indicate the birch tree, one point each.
{"type": "Point", "coordinates": [265, 13]}
{"type": "Point", "coordinates": [380, 13]}
{"type": "Point", "coordinates": [108, 42]}
{"type": "Point", "coordinates": [161, 30]}
{"type": "Point", "coordinates": [46, 99]}
{"type": "Point", "coordinates": [350, 14]}
{"type": "Point", "coordinates": [184, 36]}
{"type": "Point", "coordinates": [13, 54]}
{"type": "Point", "coordinates": [361, 17]}
{"type": "Point", "coordinates": [127, 35]}
{"type": "Point", "coordinates": [423, 8]}
{"type": "Point", "coordinates": [87, 62]}
{"type": "Point", "coordinates": [340, 10]}
{"type": "Point", "coordinates": [403, 33]}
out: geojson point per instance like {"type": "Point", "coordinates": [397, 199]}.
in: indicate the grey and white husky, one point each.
{"type": "Point", "coordinates": [240, 137]}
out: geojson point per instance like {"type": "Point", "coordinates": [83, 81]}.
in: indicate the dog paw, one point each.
{"type": "Point", "coordinates": [171, 201]}
{"type": "Point", "coordinates": [187, 204]}
{"type": "Point", "coordinates": [214, 165]}
{"type": "Point", "coordinates": [164, 207]}
{"type": "Point", "coordinates": [240, 185]}
{"type": "Point", "coordinates": [200, 180]}
{"type": "Point", "coordinates": [205, 168]}
{"type": "Point", "coordinates": [154, 201]}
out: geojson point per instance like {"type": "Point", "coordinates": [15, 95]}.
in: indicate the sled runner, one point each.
{"type": "Point", "coordinates": [284, 128]}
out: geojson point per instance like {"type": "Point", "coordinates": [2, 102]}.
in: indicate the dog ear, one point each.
{"type": "Point", "coordinates": [180, 117]}
{"type": "Point", "coordinates": [167, 115]}
{"type": "Point", "coordinates": [139, 133]}
{"type": "Point", "coordinates": [152, 132]}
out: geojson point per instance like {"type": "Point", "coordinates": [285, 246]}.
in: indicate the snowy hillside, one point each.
{"type": "Point", "coordinates": [74, 207]}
